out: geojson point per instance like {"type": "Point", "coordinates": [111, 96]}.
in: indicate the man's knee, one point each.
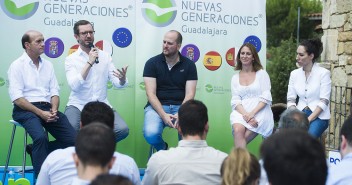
{"type": "Point", "coordinates": [40, 138]}
{"type": "Point", "coordinates": [122, 133]}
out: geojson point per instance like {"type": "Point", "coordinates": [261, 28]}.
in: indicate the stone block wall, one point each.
{"type": "Point", "coordinates": [337, 56]}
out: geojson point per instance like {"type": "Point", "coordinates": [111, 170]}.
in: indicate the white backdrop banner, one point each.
{"type": "Point", "coordinates": [132, 32]}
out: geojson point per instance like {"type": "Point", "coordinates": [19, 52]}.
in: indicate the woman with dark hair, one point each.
{"type": "Point", "coordinates": [240, 168]}
{"type": "Point", "coordinates": [312, 84]}
{"type": "Point", "coordinates": [251, 98]}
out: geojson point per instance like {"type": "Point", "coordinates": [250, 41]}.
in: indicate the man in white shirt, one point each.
{"type": "Point", "coordinates": [34, 92]}
{"type": "Point", "coordinates": [88, 70]}
{"type": "Point", "coordinates": [193, 161]}
{"type": "Point", "coordinates": [342, 173]}
{"type": "Point", "coordinates": [94, 149]}
{"type": "Point", "coordinates": [59, 167]}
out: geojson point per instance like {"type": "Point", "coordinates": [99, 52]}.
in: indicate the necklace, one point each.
{"type": "Point", "coordinates": [170, 65]}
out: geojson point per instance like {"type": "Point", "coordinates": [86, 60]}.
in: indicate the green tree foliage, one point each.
{"type": "Point", "coordinates": [281, 62]}
{"type": "Point", "coordinates": [281, 18]}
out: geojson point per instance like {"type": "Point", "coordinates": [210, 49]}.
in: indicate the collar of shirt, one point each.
{"type": "Point", "coordinates": [78, 181]}
{"type": "Point", "coordinates": [193, 143]}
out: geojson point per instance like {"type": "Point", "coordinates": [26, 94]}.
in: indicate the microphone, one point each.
{"type": "Point", "coordinates": [91, 45]}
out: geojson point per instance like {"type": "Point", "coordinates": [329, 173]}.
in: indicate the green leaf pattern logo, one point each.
{"type": "Point", "coordinates": [209, 88]}
{"type": "Point", "coordinates": [19, 9]}
{"type": "Point", "coordinates": [159, 13]}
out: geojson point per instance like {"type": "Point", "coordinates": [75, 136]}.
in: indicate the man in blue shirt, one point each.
{"type": "Point", "coordinates": [342, 172]}
{"type": "Point", "coordinates": [170, 80]}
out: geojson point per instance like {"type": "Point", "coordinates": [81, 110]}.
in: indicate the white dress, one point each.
{"type": "Point", "coordinates": [249, 97]}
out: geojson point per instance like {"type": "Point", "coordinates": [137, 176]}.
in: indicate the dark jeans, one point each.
{"type": "Point", "coordinates": [61, 130]}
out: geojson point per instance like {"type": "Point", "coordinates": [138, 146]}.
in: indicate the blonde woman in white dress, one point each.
{"type": "Point", "coordinates": [251, 98]}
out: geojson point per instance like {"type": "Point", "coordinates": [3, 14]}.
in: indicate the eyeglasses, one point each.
{"type": "Point", "coordinates": [84, 34]}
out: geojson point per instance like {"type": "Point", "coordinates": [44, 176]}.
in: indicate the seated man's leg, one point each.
{"type": "Point", "coordinates": [153, 128]}
{"type": "Point", "coordinates": [33, 125]}
{"type": "Point", "coordinates": [120, 127]}
{"type": "Point", "coordinates": [62, 131]}
{"type": "Point", "coordinates": [73, 115]}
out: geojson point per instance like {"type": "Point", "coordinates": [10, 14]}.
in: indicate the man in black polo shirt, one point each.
{"type": "Point", "coordinates": [170, 80]}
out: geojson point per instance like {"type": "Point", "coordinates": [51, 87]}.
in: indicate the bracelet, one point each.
{"type": "Point", "coordinates": [91, 65]}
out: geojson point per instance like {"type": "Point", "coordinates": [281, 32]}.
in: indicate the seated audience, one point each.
{"type": "Point", "coordinates": [290, 118]}
{"type": "Point", "coordinates": [293, 118]}
{"type": "Point", "coordinates": [59, 167]}
{"type": "Point", "coordinates": [342, 173]}
{"type": "Point", "coordinates": [192, 161]}
{"type": "Point", "coordinates": [95, 146]}
{"type": "Point", "coordinates": [109, 179]}
{"type": "Point", "coordinates": [292, 157]}
{"type": "Point", "coordinates": [240, 168]}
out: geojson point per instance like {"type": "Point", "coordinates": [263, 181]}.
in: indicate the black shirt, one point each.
{"type": "Point", "coordinates": [170, 84]}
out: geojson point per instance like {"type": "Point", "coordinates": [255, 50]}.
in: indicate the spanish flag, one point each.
{"type": "Point", "coordinates": [73, 49]}
{"type": "Point", "coordinates": [212, 60]}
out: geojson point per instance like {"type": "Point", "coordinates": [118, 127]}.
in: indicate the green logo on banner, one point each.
{"type": "Point", "coordinates": [159, 13]}
{"type": "Point", "coordinates": [2, 82]}
{"type": "Point", "coordinates": [19, 9]}
{"type": "Point", "coordinates": [109, 85]}
{"type": "Point", "coordinates": [142, 85]}
{"type": "Point", "coordinates": [209, 88]}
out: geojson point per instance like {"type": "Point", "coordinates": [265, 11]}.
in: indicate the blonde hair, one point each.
{"type": "Point", "coordinates": [240, 168]}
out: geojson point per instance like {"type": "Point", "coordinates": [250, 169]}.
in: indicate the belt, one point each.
{"type": "Point", "coordinates": [40, 103]}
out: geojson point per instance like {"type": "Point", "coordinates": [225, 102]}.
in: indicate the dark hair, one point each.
{"type": "Point", "coordinates": [79, 23]}
{"type": "Point", "coordinates": [314, 46]}
{"type": "Point", "coordinates": [97, 112]}
{"type": "Point", "coordinates": [256, 62]}
{"type": "Point", "coordinates": [111, 179]}
{"type": "Point", "coordinates": [292, 156]}
{"type": "Point", "coordinates": [346, 130]}
{"type": "Point", "coordinates": [192, 118]}
{"type": "Point", "coordinates": [95, 144]}
{"type": "Point", "coordinates": [240, 168]}
{"type": "Point", "coordinates": [25, 38]}
{"type": "Point", "coordinates": [293, 118]}
{"type": "Point", "coordinates": [179, 36]}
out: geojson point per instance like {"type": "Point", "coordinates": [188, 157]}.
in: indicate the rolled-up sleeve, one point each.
{"type": "Point", "coordinates": [325, 90]}
{"type": "Point", "coordinates": [54, 85]}
{"type": "Point", "coordinates": [291, 92]}
{"type": "Point", "coordinates": [265, 86]}
{"type": "Point", "coordinates": [16, 84]}
{"type": "Point", "coordinates": [73, 76]}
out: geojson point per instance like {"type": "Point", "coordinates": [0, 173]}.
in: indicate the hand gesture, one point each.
{"type": "Point", "coordinates": [121, 74]}
{"type": "Point", "coordinates": [169, 119]}
{"type": "Point", "coordinates": [49, 116]}
{"type": "Point", "coordinates": [253, 122]}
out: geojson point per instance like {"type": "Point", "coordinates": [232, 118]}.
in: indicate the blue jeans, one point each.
{"type": "Point", "coordinates": [61, 130]}
{"type": "Point", "coordinates": [317, 126]}
{"type": "Point", "coordinates": [121, 129]}
{"type": "Point", "coordinates": [153, 125]}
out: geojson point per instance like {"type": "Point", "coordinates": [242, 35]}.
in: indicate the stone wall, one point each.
{"type": "Point", "coordinates": [337, 55]}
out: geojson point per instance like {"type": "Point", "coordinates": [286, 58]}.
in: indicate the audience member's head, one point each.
{"type": "Point", "coordinates": [97, 112]}
{"type": "Point", "coordinates": [110, 179]}
{"type": "Point", "coordinates": [346, 137]}
{"type": "Point", "coordinates": [240, 168]}
{"type": "Point", "coordinates": [293, 118]}
{"type": "Point", "coordinates": [293, 157]}
{"type": "Point", "coordinates": [95, 146]}
{"type": "Point", "coordinates": [193, 119]}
